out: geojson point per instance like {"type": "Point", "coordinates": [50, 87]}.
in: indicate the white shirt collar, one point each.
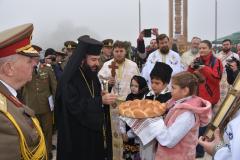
{"type": "Point", "coordinates": [165, 90]}
{"type": "Point", "coordinates": [11, 90]}
{"type": "Point", "coordinates": [151, 93]}
{"type": "Point", "coordinates": [38, 65]}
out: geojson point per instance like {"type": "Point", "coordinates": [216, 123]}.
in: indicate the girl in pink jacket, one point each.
{"type": "Point", "coordinates": [178, 136]}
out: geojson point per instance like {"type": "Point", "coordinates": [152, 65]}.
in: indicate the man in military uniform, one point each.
{"type": "Point", "coordinates": [57, 67]}
{"type": "Point", "coordinates": [106, 52]}
{"type": "Point", "coordinates": [39, 93]}
{"type": "Point", "coordinates": [21, 136]}
{"type": "Point", "coordinates": [37, 48]}
{"type": "Point", "coordinates": [70, 46]}
{"type": "Point", "coordinates": [54, 59]}
{"type": "Point", "coordinates": [50, 56]}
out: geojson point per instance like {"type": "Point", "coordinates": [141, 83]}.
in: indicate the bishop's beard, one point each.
{"type": "Point", "coordinates": [164, 50]}
{"type": "Point", "coordinates": [89, 73]}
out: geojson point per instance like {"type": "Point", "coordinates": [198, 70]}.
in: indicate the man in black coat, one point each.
{"type": "Point", "coordinates": [79, 102]}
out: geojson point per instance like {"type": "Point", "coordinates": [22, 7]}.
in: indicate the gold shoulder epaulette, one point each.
{"type": "Point", "coordinates": [3, 103]}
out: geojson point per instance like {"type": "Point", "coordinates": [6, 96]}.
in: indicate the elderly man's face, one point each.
{"type": "Point", "coordinates": [22, 69]}
{"type": "Point", "coordinates": [195, 45]}
{"type": "Point", "coordinates": [107, 51]}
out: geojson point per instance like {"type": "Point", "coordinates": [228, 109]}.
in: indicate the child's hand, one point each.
{"type": "Point", "coordinates": [124, 137]}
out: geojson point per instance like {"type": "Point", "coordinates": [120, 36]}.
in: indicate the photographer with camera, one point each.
{"type": "Point", "coordinates": [143, 52]}
{"type": "Point", "coordinates": [225, 55]}
{"type": "Point", "coordinates": [211, 69]}
{"type": "Point", "coordinates": [232, 69]}
{"type": "Point", "coordinates": [226, 140]}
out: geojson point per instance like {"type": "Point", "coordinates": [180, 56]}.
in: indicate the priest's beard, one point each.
{"type": "Point", "coordinates": [164, 50]}
{"type": "Point", "coordinates": [226, 50]}
{"type": "Point", "coordinates": [194, 50]}
{"type": "Point", "coordinates": [90, 72]}
{"type": "Point", "coordinates": [119, 61]}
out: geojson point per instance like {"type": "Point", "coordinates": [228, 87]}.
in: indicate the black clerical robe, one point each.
{"type": "Point", "coordinates": [80, 120]}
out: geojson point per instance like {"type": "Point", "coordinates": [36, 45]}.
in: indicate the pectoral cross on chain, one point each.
{"type": "Point", "coordinates": [113, 68]}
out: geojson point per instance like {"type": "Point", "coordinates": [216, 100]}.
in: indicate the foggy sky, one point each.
{"type": "Point", "coordinates": [56, 21]}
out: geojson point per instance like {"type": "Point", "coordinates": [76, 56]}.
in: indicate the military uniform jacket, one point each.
{"type": "Point", "coordinates": [65, 61]}
{"type": "Point", "coordinates": [9, 138]}
{"type": "Point", "coordinates": [102, 60]}
{"type": "Point", "coordinates": [36, 92]}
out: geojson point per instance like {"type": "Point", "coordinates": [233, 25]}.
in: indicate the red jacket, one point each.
{"type": "Point", "coordinates": [212, 71]}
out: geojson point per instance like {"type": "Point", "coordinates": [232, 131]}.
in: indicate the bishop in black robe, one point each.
{"type": "Point", "coordinates": [79, 110]}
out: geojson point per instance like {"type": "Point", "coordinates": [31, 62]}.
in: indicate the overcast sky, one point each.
{"type": "Point", "coordinates": [56, 21]}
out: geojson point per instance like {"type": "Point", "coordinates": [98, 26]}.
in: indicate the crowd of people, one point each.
{"type": "Point", "coordinates": [75, 92]}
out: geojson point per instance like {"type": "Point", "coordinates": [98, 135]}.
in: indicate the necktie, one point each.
{"type": "Point", "coordinates": [35, 70]}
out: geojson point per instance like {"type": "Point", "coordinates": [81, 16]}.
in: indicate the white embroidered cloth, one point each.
{"type": "Point", "coordinates": [145, 129]}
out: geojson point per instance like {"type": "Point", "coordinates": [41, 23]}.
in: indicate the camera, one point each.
{"type": "Point", "coordinates": [232, 69]}
{"type": "Point", "coordinates": [231, 60]}
{"type": "Point", "coordinates": [197, 63]}
{"type": "Point", "coordinates": [147, 32]}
